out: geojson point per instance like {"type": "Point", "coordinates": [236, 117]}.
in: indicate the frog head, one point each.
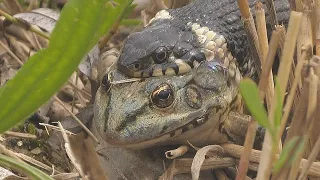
{"type": "Point", "coordinates": [167, 109]}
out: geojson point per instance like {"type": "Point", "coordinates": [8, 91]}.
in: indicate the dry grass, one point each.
{"type": "Point", "coordinates": [299, 84]}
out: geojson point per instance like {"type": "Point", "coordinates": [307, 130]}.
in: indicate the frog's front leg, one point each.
{"type": "Point", "coordinates": [235, 127]}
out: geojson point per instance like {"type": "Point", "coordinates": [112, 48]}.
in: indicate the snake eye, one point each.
{"type": "Point", "coordinates": [105, 83]}
{"type": "Point", "coordinates": [160, 55]}
{"type": "Point", "coordinates": [162, 96]}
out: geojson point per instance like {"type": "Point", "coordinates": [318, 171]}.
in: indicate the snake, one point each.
{"type": "Point", "coordinates": [176, 40]}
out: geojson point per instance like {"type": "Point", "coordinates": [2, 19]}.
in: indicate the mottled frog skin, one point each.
{"type": "Point", "coordinates": [166, 110]}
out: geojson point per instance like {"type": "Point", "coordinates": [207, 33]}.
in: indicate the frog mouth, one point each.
{"type": "Point", "coordinates": [192, 125]}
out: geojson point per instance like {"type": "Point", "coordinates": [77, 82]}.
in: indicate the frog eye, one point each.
{"type": "Point", "coordinates": [162, 96]}
{"type": "Point", "coordinates": [160, 55]}
{"type": "Point", "coordinates": [106, 83]}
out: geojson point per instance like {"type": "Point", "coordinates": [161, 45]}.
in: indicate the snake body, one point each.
{"type": "Point", "coordinates": [177, 40]}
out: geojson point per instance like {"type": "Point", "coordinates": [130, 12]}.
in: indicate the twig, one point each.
{"type": "Point", "coordinates": [55, 128]}
{"type": "Point", "coordinates": [11, 53]}
{"type": "Point", "coordinates": [20, 135]}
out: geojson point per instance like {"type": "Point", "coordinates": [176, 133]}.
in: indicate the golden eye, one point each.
{"type": "Point", "coordinates": [162, 96]}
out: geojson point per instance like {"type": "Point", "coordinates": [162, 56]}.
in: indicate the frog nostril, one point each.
{"type": "Point", "coordinates": [127, 120]}
{"type": "Point", "coordinates": [131, 118]}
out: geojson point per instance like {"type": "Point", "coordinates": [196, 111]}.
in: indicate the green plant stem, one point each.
{"type": "Point", "coordinates": [30, 171]}
{"type": "Point", "coordinates": [25, 25]}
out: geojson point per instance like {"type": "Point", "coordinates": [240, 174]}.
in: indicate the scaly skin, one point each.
{"type": "Point", "coordinates": [202, 30]}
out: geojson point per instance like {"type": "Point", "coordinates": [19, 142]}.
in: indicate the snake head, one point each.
{"type": "Point", "coordinates": [141, 50]}
{"type": "Point", "coordinates": [164, 47]}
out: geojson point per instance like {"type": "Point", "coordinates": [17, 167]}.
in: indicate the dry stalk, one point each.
{"type": "Point", "coordinates": [263, 42]}
{"type": "Point", "coordinates": [315, 64]}
{"type": "Point", "coordinates": [20, 135]}
{"type": "Point", "coordinates": [11, 53]}
{"type": "Point", "coordinates": [290, 98]}
{"type": "Point", "coordinates": [54, 128]}
{"type": "Point", "coordinates": [317, 26]}
{"type": "Point", "coordinates": [183, 165]}
{"type": "Point", "coordinates": [298, 5]}
{"type": "Point", "coordinates": [220, 174]}
{"type": "Point", "coordinates": [251, 32]}
{"type": "Point", "coordinates": [13, 6]}
{"type": "Point", "coordinates": [200, 157]}
{"type": "Point", "coordinates": [305, 36]}
{"type": "Point", "coordinates": [252, 127]}
{"type": "Point", "coordinates": [282, 33]}
{"type": "Point", "coordinates": [312, 104]}
{"type": "Point", "coordinates": [244, 8]}
{"type": "Point", "coordinates": [285, 67]}
{"type": "Point", "coordinates": [272, 12]}
{"type": "Point", "coordinates": [311, 159]}
{"type": "Point", "coordinates": [255, 157]}
{"type": "Point", "coordinates": [172, 154]}
{"type": "Point", "coordinates": [70, 154]}
{"type": "Point", "coordinates": [312, 107]}
{"type": "Point", "coordinates": [297, 125]}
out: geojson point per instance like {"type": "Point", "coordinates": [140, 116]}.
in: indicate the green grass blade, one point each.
{"type": "Point", "coordinates": [80, 25]}
{"type": "Point", "coordinates": [130, 22]}
{"type": "Point", "coordinates": [26, 169]}
{"type": "Point", "coordinates": [289, 153]}
{"type": "Point", "coordinates": [250, 94]}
